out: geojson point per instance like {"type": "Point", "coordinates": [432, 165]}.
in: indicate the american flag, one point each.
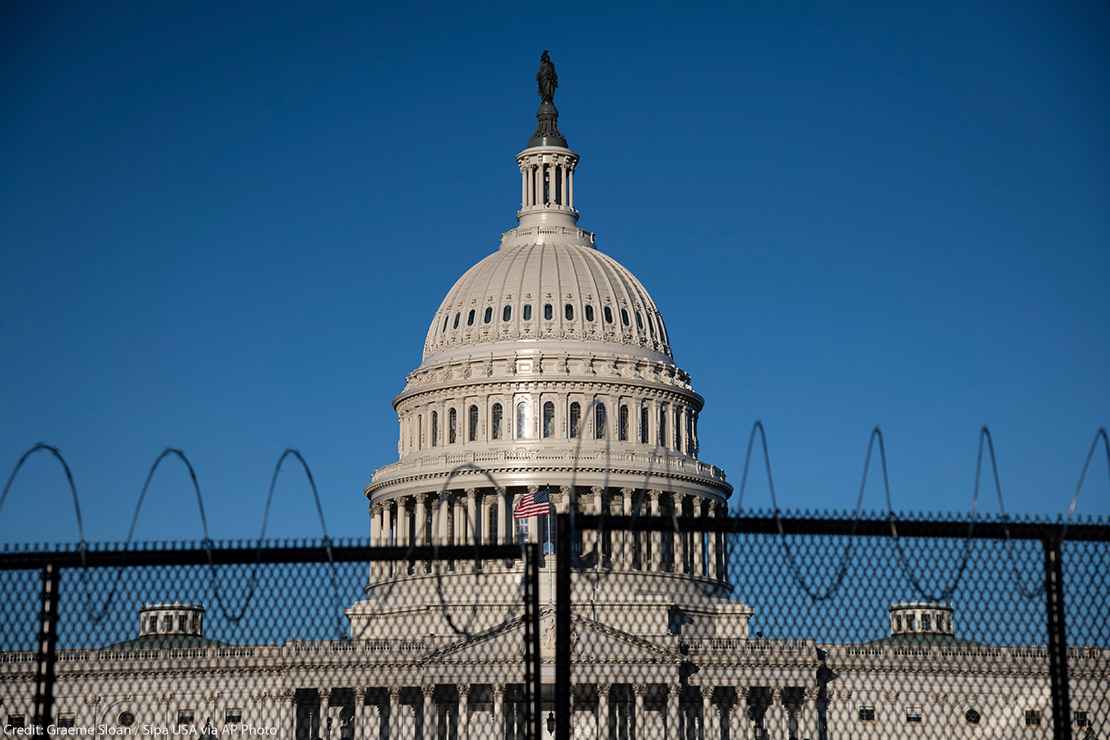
{"type": "Point", "coordinates": [532, 504]}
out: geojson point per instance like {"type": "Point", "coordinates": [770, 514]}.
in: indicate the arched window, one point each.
{"type": "Point", "coordinates": [548, 419]}
{"type": "Point", "coordinates": [488, 316]}
{"type": "Point", "coordinates": [639, 322]}
{"type": "Point", "coordinates": [624, 317]}
{"type": "Point", "coordinates": [568, 312]}
{"type": "Point", "coordinates": [589, 312]}
{"type": "Point", "coordinates": [600, 421]}
{"type": "Point", "coordinates": [452, 422]}
{"type": "Point", "coordinates": [445, 320]}
{"type": "Point", "coordinates": [662, 439]}
{"type": "Point", "coordinates": [506, 312]}
{"type": "Point", "coordinates": [651, 328]}
{"type": "Point", "coordinates": [495, 422]}
{"type": "Point", "coordinates": [644, 424]}
{"type": "Point", "coordinates": [622, 423]}
{"type": "Point", "coordinates": [573, 419]}
{"type": "Point", "coordinates": [608, 313]}
{"type": "Point", "coordinates": [472, 424]}
{"type": "Point", "coordinates": [470, 318]}
{"type": "Point", "coordinates": [523, 419]}
{"type": "Point", "coordinates": [527, 311]}
{"type": "Point", "coordinates": [677, 429]}
{"type": "Point", "coordinates": [455, 325]}
{"type": "Point", "coordinates": [435, 428]}
{"type": "Point", "coordinates": [548, 313]}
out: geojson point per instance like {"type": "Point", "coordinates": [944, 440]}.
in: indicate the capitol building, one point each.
{"type": "Point", "coordinates": [548, 371]}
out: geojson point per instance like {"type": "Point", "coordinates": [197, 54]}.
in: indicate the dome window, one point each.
{"type": "Point", "coordinates": [452, 423]}
{"type": "Point", "coordinates": [572, 420]}
{"type": "Point", "coordinates": [456, 324]}
{"type": "Point", "coordinates": [495, 422]}
{"type": "Point", "coordinates": [523, 419]}
{"type": "Point", "coordinates": [470, 318]}
{"type": "Point", "coordinates": [445, 320]}
{"type": "Point", "coordinates": [435, 428]}
{"type": "Point", "coordinates": [548, 312]}
{"type": "Point", "coordinates": [568, 312]}
{"type": "Point", "coordinates": [506, 312]}
{"type": "Point", "coordinates": [527, 311]}
{"type": "Point", "coordinates": [472, 424]}
{"type": "Point", "coordinates": [645, 424]}
{"type": "Point", "coordinates": [624, 316]}
{"type": "Point", "coordinates": [677, 429]}
{"type": "Point", "coordinates": [639, 321]}
{"type": "Point", "coordinates": [608, 313]}
{"type": "Point", "coordinates": [488, 317]}
{"type": "Point", "coordinates": [589, 312]}
{"type": "Point", "coordinates": [601, 422]}
{"type": "Point", "coordinates": [548, 419]}
{"type": "Point", "coordinates": [663, 426]}
{"type": "Point", "coordinates": [622, 423]}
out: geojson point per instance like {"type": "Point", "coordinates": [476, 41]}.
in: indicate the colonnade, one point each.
{"type": "Point", "coordinates": [558, 176]}
{"type": "Point", "coordinates": [483, 515]}
{"type": "Point", "coordinates": [598, 712]}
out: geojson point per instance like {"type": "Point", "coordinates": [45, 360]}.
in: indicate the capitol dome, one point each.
{"type": "Point", "coordinates": [546, 289]}
{"type": "Point", "coordinates": [548, 368]}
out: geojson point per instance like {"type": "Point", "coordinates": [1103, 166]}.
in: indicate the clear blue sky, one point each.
{"type": "Point", "coordinates": [226, 229]}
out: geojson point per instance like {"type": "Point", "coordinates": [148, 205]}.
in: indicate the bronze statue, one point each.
{"type": "Point", "coordinates": [547, 78]}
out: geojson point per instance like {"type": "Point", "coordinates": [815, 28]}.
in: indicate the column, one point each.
{"type": "Point", "coordinates": [443, 518]}
{"type": "Point", "coordinates": [624, 536]}
{"type": "Point", "coordinates": [655, 539]}
{"type": "Point", "coordinates": [712, 716]}
{"type": "Point", "coordinates": [603, 711]}
{"type": "Point", "coordinates": [537, 187]}
{"type": "Point", "coordinates": [563, 185]}
{"type": "Point", "coordinates": [714, 564]}
{"type": "Point", "coordinates": [523, 189]}
{"type": "Point", "coordinates": [464, 711]}
{"type": "Point", "coordinates": [736, 715]}
{"type": "Point", "coordinates": [570, 188]}
{"type": "Point", "coordinates": [473, 526]}
{"type": "Point", "coordinates": [427, 712]}
{"type": "Point", "coordinates": [639, 717]}
{"type": "Point", "coordinates": [460, 519]}
{"type": "Point", "coordinates": [504, 507]}
{"type": "Point", "coordinates": [776, 715]}
{"type": "Point", "coordinates": [698, 537]}
{"type": "Point", "coordinates": [672, 711]}
{"type": "Point", "coordinates": [499, 711]}
{"type": "Point", "coordinates": [421, 518]}
{"type": "Point", "coordinates": [394, 712]}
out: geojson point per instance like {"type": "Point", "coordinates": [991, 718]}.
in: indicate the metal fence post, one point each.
{"type": "Point", "coordinates": [1057, 636]}
{"type": "Point", "coordinates": [562, 628]}
{"type": "Point", "coordinates": [47, 646]}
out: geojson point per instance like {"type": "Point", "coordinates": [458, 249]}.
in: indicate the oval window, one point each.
{"type": "Point", "coordinates": [456, 324]}
{"type": "Point", "coordinates": [639, 322]}
{"type": "Point", "coordinates": [608, 312]}
{"type": "Point", "coordinates": [568, 312]}
{"type": "Point", "coordinates": [528, 312]}
{"type": "Point", "coordinates": [488, 317]}
{"type": "Point", "coordinates": [126, 719]}
{"type": "Point", "coordinates": [470, 318]}
{"type": "Point", "coordinates": [624, 317]}
{"type": "Point", "coordinates": [589, 312]}
{"type": "Point", "coordinates": [548, 313]}
{"type": "Point", "coordinates": [445, 320]}
{"type": "Point", "coordinates": [506, 313]}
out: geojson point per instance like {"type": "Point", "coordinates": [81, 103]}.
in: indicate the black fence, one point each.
{"type": "Point", "coordinates": [307, 641]}
{"type": "Point", "coordinates": [769, 627]}
{"type": "Point", "coordinates": [688, 627]}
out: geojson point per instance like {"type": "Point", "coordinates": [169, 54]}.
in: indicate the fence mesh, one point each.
{"type": "Point", "coordinates": [827, 634]}
{"type": "Point", "coordinates": [314, 642]}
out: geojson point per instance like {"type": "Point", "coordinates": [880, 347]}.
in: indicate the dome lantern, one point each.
{"type": "Point", "coordinates": [547, 165]}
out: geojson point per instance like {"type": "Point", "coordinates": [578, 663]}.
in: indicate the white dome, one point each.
{"type": "Point", "coordinates": [544, 291]}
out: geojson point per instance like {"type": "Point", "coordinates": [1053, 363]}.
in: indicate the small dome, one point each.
{"type": "Point", "coordinates": [546, 294]}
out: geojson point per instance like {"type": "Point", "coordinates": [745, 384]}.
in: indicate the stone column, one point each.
{"type": "Point", "coordinates": [394, 712]}
{"type": "Point", "coordinates": [714, 570]}
{"type": "Point", "coordinates": [443, 518]}
{"type": "Point", "coordinates": [499, 711]}
{"type": "Point", "coordinates": [504, 516]}
{"type": "Point", "coordinates": [570, 189]}
{"type": "Point", "coordinates": [523, 189]}
{"type": "Point", "coordinates": [603, 711]}
{"type": "Point", "coordinates": [639, 716]}
{"type": "Point", "coordinates": [421, 517]}
{"type": "Point", "coordinates": [427, 712]}
{"type": "Point", "coordinates": [464, 711]}
{"type": "Point", "coordinates": [712, 716]}
{"type": "Point", "coordinates": [473, 527]}
{"type": "Point", "coordinates": [625, 535]}
{"type": "Point", "coordinates": [672, 711]}
{"type": "Point", "coordinates": [655, 539]}
{"type": "Point", "coordinates": [698, 537]}
{"type": "Point", "coordinates": [591, 538]}
{"type": "Point", "coordinates": [460, 519]}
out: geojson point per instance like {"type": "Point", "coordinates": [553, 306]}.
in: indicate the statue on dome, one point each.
{"type": "Point", "coordinates": [547, 78]}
